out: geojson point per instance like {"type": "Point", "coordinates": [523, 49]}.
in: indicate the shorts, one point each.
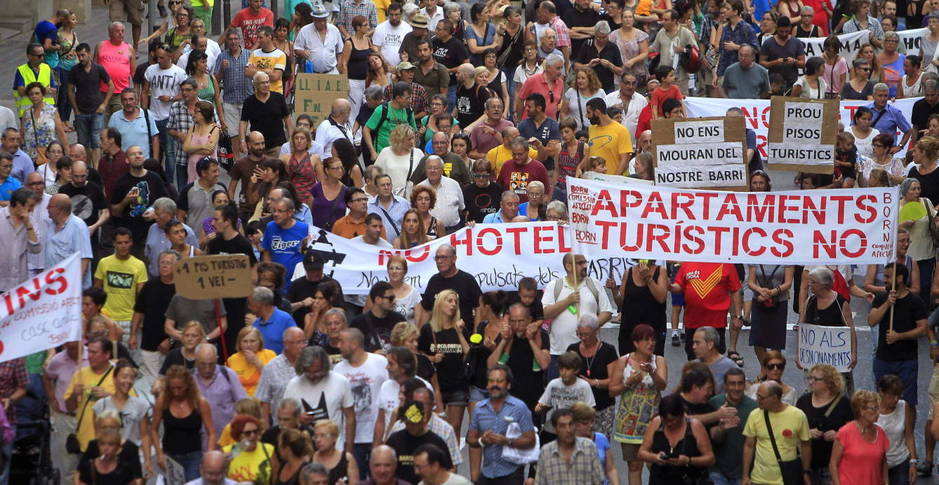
{"type": "Point", "coordinates": [476, 394]}
{"type": "Point", "coordinates": [905, 370]}
{"type": "Point", "coordinates": [933, 391]}
{"type": "Point", "coordinates": [131, 9]}
{"type": "Point", "coordinates": [678, 299]}
{"type": "Point", "coordinates": [630, 452]}
{"type": "Point", "coordinates": [456, 397]}
{"type": "Point", "coordinates": [232, 117]}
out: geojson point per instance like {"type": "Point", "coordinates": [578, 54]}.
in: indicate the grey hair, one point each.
{"type": "Point", "coordinates": [165, 204]}
{"type": "Point", "coordinates": [289, 402]}
{"type": "Point", "coordinates": [263, 295]}
{"type": "Point", "coordinates": [508, 194]}
{"type": "Point", "coordinates": [588, 320]}
{"type": "Point", "coordinates": [536, 184]}
{"type": "Point", "coordinates": [930, 84]}
{"type": "Point", "coordinates": [336, 311]}
{"type": "Point", "coordinates": [374, 93]}
{"type": "Point", "coordinates": [557, 205]}
{"type": "Point", "coordinates": [451, 7]}
{"type": "Point", "coordinates": [260, 76]}
{"type": "Point", "coordinates": [546, 31]}
{"type": "Point", "coordinates": [191, 82]}
{"type": "Point", "coordinates": [433, 157]}
{"type": "Point", "coordinates": [114, 25]}
{"type": "Point", "coordinates": [933, 15]}
{"type": "Point", "coordinates": [308, 356]}
{"type": "Point", "coordinates": [823, 276]}
{"type": "Point", "coordinates": [881, 87]}
{"type": "Point", "coordinates": [206, 347]}
{"type": "Point", "coordinates": [907, 185]}
{"type": "Point", "coordinates": [466, 69]}
{"type": "Point", "coordinates": [807, 9]}
{"type": "Point", "coordinates": [710, 335]}
{"type": "Point", "coordinates": [892, 35]}
{"type": "Point", "coordinates": [494, 99]}
{"type": "Point", "coordinates": [553, 59]}
{"type": "Point", "coordinates": [518, 140]}
{"type": "Point", "coordinates": [169, 252]}
{"type": "Point", "coordinates": [449, 248]}
{"type": "Point", "coordinates": [311, 469]}
{"type": "Point", "coordinates": [355, 335]}
{"type": "Point", "coordinates": [602, 28]}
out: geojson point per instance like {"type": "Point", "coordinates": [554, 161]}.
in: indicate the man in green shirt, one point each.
{"type": "Point", "coordinates": [727, 435]}
{"type": "Point", "coordinates": [387, 116]}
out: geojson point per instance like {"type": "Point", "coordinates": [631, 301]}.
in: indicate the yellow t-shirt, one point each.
{"type": "Point", "coordinates": [382, 7]}
{"type": "Point", "coordinates": [248, 374]}
{"type": "Point", "coordinates": [265, 61]}
{"type": "Point", "coordinates": [790, 427]}
{"type": "Point", "coordinates": [500, 154]}
{"type": "Point", "coordinates": [609, 142]}
{"type": "Point", "coordinates": [120, 278]}
{"type": "Point", "coordinates": [248, 466]}
{"type": "Point", "coordinates": [87, 378]}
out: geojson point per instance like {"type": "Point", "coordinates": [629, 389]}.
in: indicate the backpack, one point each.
{"type": "Point", "coordinates": [590, 286]}
{"type": "Point", "coordinates": [384, 116]}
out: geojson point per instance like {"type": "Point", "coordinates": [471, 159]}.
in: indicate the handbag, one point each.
{"type": "Point", "coordinates": [791, 470]}
{"type": "Point", "coordinates": [765, 282]}
{"type": "Point", "coordinates": [515, 455]}
{"type": "Point", "coordinates": [72, 445]}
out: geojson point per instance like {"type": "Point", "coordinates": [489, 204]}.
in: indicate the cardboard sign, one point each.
{"type": "Point", "coordinates": [824, 345]}
{"type": "Point", "coordinates": [315, 93]}
{"type": "Point", "coordinates": [802, 134]}
{"type": "Point", "coordinates": [218, 276]}
{"type": "Point", "coordinates": [700, 153]}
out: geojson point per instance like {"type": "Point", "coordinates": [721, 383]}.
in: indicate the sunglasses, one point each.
{"type": "Point", "coordinates": [776, 366]}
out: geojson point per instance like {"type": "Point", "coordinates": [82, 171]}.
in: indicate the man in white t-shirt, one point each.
{"type": "Point", "coordinates": [321, 43]}
{"type": "Point", "coordinates": [449, 204]}
{"type": "Point", "coordinates": [401, 366]}
{"type": "Point", "coordinates": [324, 394]}
{"type": "Point", "coordinates": [563, 305]}
{"type": "Point", "coordinates": [366, 373]}
{"type": "Point", "coordinates": [390, 34]}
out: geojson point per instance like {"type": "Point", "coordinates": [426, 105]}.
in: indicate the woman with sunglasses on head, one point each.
{"type": "Point", "coordinates": [444, 343]}
{"type": "Point", "coordinates": [882, 159]}
{"type": "Point", "coordinates": [827, 409]}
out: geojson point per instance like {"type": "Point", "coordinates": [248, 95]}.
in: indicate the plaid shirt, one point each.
{"type": "Point", "coordinates": [418, 97]}
{"type": "Point", "coordinates": [560, 28]}
{"type": "Point", "coordinates": [181, 120]}
{"type": "Point", "coordinates": [12, 377]}
{"type": "Point", "coordinates": [237, 86]}
{"type": "Point", "coordinates": [274, 378]}
{"type": "Point", "coordinates": [742, 34]}
{"type": "Point", "coordinates": [350, 8]}
{"type": "Point", "coordinates": [585, 467]}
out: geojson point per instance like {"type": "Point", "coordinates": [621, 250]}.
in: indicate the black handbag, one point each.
{"type": "Point", "coordinates": [791, 470]}
{"type": "Point", "coordinates": [72, 445]}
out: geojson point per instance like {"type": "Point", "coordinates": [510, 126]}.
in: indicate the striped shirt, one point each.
{"type": "Point", "coordinates": [236, 86]}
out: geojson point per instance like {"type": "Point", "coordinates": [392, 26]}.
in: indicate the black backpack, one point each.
{"type": "Point", "coordinates": [384, 116]}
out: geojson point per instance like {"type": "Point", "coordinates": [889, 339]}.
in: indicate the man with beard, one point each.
{"type": "Point", "coordinates": [324, 394]}
{"type": "Point", "coordinates": [451, 53]}
{"type": "Point", "coordinates": [88, 202]}
{"type": "Point", "coordinates": [377, 322]}
{"type": "Point", "coordinates": [244, 171]}
{"type": "Point", "coordinates": [606, 138]}
{"type": "Point", "coordinates": [133, 194]}
{"type": "Point", "coordinates": [389, 35]}
{"type": "Point", "coordinates": [487, 429]}
{"type": "Point", "coordinates": [783, 54]}
{"type": "Point", "coordinates": [366, 373]}
{"type": "Point", "coordinates": [727, 436]}
{"type": "Point", "coordinates": [285, 238]}
{"type": "Point", "coordinates": [430, 74]}
{"type": "Point", "coordinates": [418, 34]}
{"type": "Point", "coordinates": [527, 346]}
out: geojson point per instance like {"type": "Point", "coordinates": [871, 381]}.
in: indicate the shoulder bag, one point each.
{"type": "Point", "coordinates": [791, 470]}
{"type": "Point", "coordinates": [72, 445]}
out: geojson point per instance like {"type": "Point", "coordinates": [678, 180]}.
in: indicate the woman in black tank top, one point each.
{"type": "Point", "coordinates": [641, 299]}
{"type": "Point", "coordinates": [184, 414]}
{"type": "Point", "coordinates": [826, 307]}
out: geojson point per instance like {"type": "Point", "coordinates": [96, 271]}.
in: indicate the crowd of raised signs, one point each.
{"type": "Point", "coordinates": [145, 149]}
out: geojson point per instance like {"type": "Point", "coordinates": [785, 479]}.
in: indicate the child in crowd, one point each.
{"type": "Point", "coordinates": [562, 392]}
{"type": "Point", "coordinates": [667, 90]}
{"type": "Point", "coordinates": [846, 159]}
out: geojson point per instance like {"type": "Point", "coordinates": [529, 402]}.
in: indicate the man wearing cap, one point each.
{"type": "Point", "coordinates": [390, 34]}
{"type": "Point", "coordinates": [301, 291]}
{"type": "Point", "coordinates": [321, 43]}
{"type": "Point", "coordinates": [602, 56]}
{"type": "Point", "coordinates": [349, 9]}
{"type": "Point", "coordinates": [408, 49]}
{"type": "Point", "coordinates": [406, 72]}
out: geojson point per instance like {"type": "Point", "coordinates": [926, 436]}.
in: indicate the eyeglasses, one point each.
{"type": "Point", "coordinates": [813, 379]}
{"type": "Point", "coordinates": [480, 175]}
{"type": "Point", "coordinates": [775, 366]}
{"type": "Point", "coordinates": [360, 199]}
{"type": "Point", "coordinates": [250, 432]}
{"type": "Point", "coordinates": [389, 297]}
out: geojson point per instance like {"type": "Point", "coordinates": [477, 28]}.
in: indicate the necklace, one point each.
{"type": "Point", "coordinates": [532, 71]}
{"type": "Point", "coordinates": [591, 359]}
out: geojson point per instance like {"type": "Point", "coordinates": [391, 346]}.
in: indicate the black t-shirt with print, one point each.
{"type": "Point", "coordinates": [451, 54]}
{"type": "Point", "coordinates": [446, 342]}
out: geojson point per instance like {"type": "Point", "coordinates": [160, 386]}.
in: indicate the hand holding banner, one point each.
{"type": "Point", "coordinates": [42, 312]}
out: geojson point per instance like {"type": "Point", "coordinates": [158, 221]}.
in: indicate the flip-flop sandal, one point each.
{"type": "Point", "coordinates": [734, 356]}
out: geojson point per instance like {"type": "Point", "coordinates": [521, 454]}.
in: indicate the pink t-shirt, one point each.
{"type": "Point", "coordinates": [861, 460]}
{"type": "Point", "coordinates": [832, 75]}
{"type": "Point", "coordinates": [249, 23]}
{"type": "Point", "coordinates": [116, 61]}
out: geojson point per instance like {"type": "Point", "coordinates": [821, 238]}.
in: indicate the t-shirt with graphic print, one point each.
{"type": "Point", "coordinates": [119, 278]}
{"type": "Point", "coordinates": [285, 245]}
{"type": "Point", "coordinates": [516, 177]}
{"type": "Point", "coordinates": [446, 342]}
{"type": "Point", "coordinates": [707, 288]}
{"type": "Point", "coordinates": [561, 396]}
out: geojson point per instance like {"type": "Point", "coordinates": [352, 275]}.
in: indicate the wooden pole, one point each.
{"type": "Point", "coordinates": [574, 271]}
{"type": "Point", "coordinates": [894, 286]}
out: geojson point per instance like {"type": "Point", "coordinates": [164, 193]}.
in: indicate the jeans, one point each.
{"type": "Point", "coordinates": [65, 108]}
{"type": "Point", "coordinates": [182, 176]}
{"type": "Point", "coordinates": [718, 478]}
{"type": "Point", "coordinates": [88, 129]}
{"type": "Point", "coordinates": [451, 98]}
{"type": "Point", "coordinates": [900, 474]}
{"type": "Point", "coordinates": [169, 161]}
{"type": "Point", "coordinates": [904, 369]}
{"type": "Point", "coordinates": [190, 463]}
{"type": "Point", "coordinates": [362, 453]}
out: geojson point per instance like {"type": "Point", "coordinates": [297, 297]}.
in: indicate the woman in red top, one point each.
{"type": "Point", "coordinates": [859, 453]}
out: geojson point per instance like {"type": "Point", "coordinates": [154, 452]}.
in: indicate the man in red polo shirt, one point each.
{"type": "Point", "coordinates": [548, 84]}
{"type": "Point", "coordinates": [710, 289]}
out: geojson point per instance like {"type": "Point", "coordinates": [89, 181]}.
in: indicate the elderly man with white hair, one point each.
{"type": "Point", "coordinates": [339, 122]}
{"type": "Point", "coordinates": [164, 211]}
{"type": "Point", "coordinates": [603, 57]}
{"type": "Point", "coordinates": [265, 111]}
{"type": "Point", "coordinates": [548, 84]}
{"type": "Point", "coordinates": [218, 384]}
{"type": "Point", "coordinates": [889, 119]}
{"type": "Point", "coordinates": [449, 204]}
{"type": "Point", "coordinates": [279, 371]}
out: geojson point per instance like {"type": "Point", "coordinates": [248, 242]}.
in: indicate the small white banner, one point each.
{"type": "Point", "coordinates": [824, 345]}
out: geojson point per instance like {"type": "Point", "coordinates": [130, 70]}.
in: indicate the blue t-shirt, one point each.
{"type": "Point", "coordinates": [549, 130]}
{"type": "Point", "coordinates": [8, 186]}
{"type": "Point", "coordinates": [284, 245]}
{"type": "Point", "coordinates": [48, 30]}
{"type": "Point", "coordinates": [273, 329]}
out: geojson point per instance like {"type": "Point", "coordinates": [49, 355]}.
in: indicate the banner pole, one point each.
{"type": "Point", "coordinates": [894, 261]}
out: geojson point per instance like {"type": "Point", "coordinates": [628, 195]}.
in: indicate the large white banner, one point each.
{"type": "Point", "coordinates": [824, 345]}
{"type": "Point", "coordinates": [850, 45]}
{"type": "Point", "coordinates": [497, 255]}
{"type": "Point", "coordinates": [910, 39]}
{"type": "Point", "coordinates": [43, 312]}
{"type": "Point", "coordinates": [845, 226]}
{"type": "Point", "coordinates": [756, 113]}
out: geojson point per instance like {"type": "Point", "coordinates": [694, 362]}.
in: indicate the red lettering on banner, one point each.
{"type": "Point", "coordinates": [685, 205]}
{"type": "Point", "coordinates": [808, 206]}
{"type": "Point", "coordinates": [841, 200]}
{"type": "Point", "coordinates": [746, 241]}
{"type": "Point", "coordinates": [862, 243]}
{"type": "Point", "coordinates": [480, 238]}
{"type": "Point", "coordinates": [731, 207]}
{"type": "Point", "coordinates": [654, 205]}
{"type": "Point", "coordinates": [604, 202]}
{"type": "Point", "coordinates": [783, 207]}
{"type": "Point", "coordinates": [778, 238]}
{"type": "Point", "coordinates": [15, 299]}
{"type": "Point", "coordinates": [819, 242]}
{"type": "Point", "coordinates": [466, 241]}
{"type": "Point", "coordinates": [563, 245]}
{"type": "Point", "coordinates": [516, 233]}
{"type": "Point", "coordinates": [718, 236]}
{"type": "Point", "coordinates": [757, 212]}
{"type": "Point", "coordinates": [416, 257]}
{"type": "Point", "coordinates": [837, 244]}
{"type": "Point", "coordinates": [543, 235]}
{"type": "Point", "coordinates": [862, 204]}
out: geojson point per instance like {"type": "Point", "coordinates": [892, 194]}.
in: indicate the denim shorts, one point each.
{"type": "Point", "coordinates": [456, 397]}
{"type": "Point", "coordinates": [88, 129]}
{"type": "Point", "coordinates": [476, 394]}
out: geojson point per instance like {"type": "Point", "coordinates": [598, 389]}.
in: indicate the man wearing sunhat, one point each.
{"type": "Point", "coordinates": [419, 33]}
{"type": "Point", "coordinates": [320, 43]}
{"type": "Point", "coordinates": [406, 72]}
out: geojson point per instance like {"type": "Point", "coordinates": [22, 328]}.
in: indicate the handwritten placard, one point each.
{"type": "Point", "coordinates": [210, 277]}
{"type": "Point", "coordinates": [824, 345]}
{"type": "Point", "coordinates": [315, 93]}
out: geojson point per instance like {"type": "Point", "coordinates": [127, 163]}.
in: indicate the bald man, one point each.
{"type": "Point", "coordinates": [265, 111]}
{"type": "Point", "coordinates": [382, 466]}
{"type": "Point", "coordinates": [212, 470]}
{"type": "Point", "coordinates": [66, 234]}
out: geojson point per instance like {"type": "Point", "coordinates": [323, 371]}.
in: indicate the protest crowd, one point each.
{"type": "Point", "coordinates": [150, 148]}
